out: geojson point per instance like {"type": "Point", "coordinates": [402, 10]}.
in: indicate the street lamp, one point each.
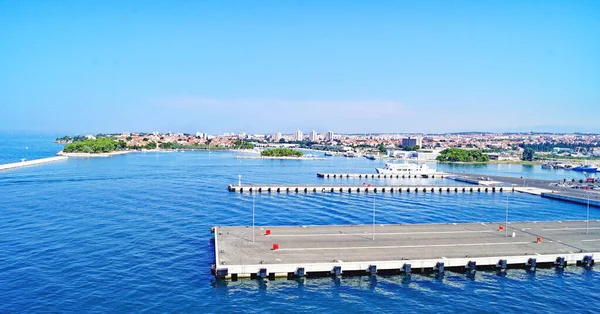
{"type": "Point", "coordinates": [506, 223]}
{"type": "Point", "coordinates": [373, 231]}
{"type": "Point", "coordinates": [587, 216]}
{"type": "Point", "coordinates": [253, 197]}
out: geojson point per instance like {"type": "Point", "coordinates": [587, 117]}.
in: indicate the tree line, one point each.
{"type": "Point", "coordinates": [281, 152]}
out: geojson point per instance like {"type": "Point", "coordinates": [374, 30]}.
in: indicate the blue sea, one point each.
{"type": "Point", "coordinates": [131, 233]}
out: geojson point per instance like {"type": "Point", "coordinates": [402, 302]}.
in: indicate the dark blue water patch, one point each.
{"type": "Point", "coordinates": [132, 233]}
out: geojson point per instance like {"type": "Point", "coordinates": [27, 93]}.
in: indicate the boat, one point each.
{"type": "Point", "coordinates": [328, 154]}
{"type": "Point", "coordinates": [547, 166]}
{"type": "Point", "coordinates": [350, 155]}
{"type": "Point", "coordinates": [373, 157]}
{"type": "Point", "coordinates": [310, 156]}
{"type": "Point", "coordinates": [406, 168]}
{"type": "Point", "coordinates": [586, 168]}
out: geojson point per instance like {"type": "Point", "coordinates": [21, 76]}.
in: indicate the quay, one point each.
{"type": "Point", "coordinates": [544, 188]}
{"type": "Point", "coordinates": [34, 162]}
{"type": "Point", "coordinates": [594, 199]}
{"type": "Point", "coordinates": [311, 188]}
{"type": "Point", "coordinates": [377, 175]}
{"type": "Point", "coordinates": [298, 251]}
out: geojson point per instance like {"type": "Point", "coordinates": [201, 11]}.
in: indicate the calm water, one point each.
{"type": "Point", "coordinates": [132, 233]}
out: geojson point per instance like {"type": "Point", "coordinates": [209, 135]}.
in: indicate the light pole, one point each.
{"type": "Point", "coordinates": [587, 216]}
{"type": "Point", "coordinates": [253, 197]}
{"type": "Point", "coordinates": [373, 231]}
{"type": "Point", "coordinates": [506, 224]}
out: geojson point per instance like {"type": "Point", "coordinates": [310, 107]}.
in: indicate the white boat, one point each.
{"type": "Point", "coordinates": [406, 168]}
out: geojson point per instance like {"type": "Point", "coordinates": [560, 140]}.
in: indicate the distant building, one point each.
{"type": "Point", "coordinates": [312, 136]}
{"type": "Point", "coordinates": [275, 137]}
{"type": "Point", "coordinates": [329, 136]}
{"type": "Point", "coordinates": [558, 150]}
{"type": "Point", "coordinates": [412, 141]}
{"type": "Point", "coordinates": [299, 136]}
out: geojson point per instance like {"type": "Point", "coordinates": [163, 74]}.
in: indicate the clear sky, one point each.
{"type": "Point", "coordinates": [266, 66]}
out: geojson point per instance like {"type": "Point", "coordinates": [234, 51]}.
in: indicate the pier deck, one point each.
{"type": "Point", "coordinates": [337, 175]}
{"type": "Point", "coordinates": [322, 249]}
{"type": "Point", "coordinates": [33, 162]}
{"type": "Point", "coordinates": [326, 188]}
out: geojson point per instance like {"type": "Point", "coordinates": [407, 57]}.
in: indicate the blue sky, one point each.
{"type": "Point", "coordinates": [266, 66]}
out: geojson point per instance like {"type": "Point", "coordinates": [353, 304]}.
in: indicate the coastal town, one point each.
{"type": "Point", "coordinates": [498, 146]}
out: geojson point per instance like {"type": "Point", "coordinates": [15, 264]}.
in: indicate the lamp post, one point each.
{"type": "Point", "coordinates": [373, 231]}
{"type": "Point", "coordinates": [587, 215]}
{"type": "Point", "coordinates": [253, 197]}
{"type": "Point", "coordinates": [506, 224]}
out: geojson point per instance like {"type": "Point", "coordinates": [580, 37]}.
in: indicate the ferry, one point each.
{"type": "Point", "coordinates": [408, 169]}
{"type": "Point", "coordinates": [586, 168]}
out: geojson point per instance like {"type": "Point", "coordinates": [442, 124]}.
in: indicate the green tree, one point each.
{"type": "Point", "coordinates": [528, 154]}
{"type": "Point", "coordinates": [281, 152]}
{"type": "Point", "coordinates": [462, 155]}
{"type": "Point", "coordinates": [382, 148]}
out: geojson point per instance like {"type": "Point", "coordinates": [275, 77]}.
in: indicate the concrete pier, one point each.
{"type": "Point", "coordinates": [392, 249]}
{"type": "Point", "coordinates": [34, 162]}
{"type": "Point", "coordinates": [594, 199]}
{"type": "Point", "coordinates": [266, 188]}
{"type": "Point", "coordinates": [332, 175]}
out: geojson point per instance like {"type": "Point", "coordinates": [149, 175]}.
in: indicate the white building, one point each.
{"type": "Point", "coordinates": [329, 136]}
{"type": "Point", "coordinates": [299, 136]}
{"type": "Point", "coordinates": [275, 137]}
{"type": "Point", "coordinates": [312, 136]}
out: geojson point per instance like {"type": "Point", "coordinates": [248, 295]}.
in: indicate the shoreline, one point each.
{"type": "Point", "coordinates": [94, 155]}
{"type": "Point", "coordinates": [280, 158]}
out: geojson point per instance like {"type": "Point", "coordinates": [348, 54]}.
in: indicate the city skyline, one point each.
{"type": "Point", "coordinates": [352, 67]}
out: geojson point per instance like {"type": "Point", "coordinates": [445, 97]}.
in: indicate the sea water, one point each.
{"type": "Point", "coordinates": [132, 233]}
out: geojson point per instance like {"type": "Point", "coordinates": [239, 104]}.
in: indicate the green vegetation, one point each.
{"type": "Point", "coordinates": [411, 148]}
{"type": "Point", "coordinates": [528, 154]}
{"type": "Point", "coordinates": [382, 148]}
{"type": "Point", "coordinates": [281, 152]}
{"type": "Point", "coordinates": [243, 145]}
{"type": "Point", "coordinates": [70, 139]}
{"type": "Point", "coordinates": [99, 145]}
{"type": "Point", "coordinates": [462, 155]}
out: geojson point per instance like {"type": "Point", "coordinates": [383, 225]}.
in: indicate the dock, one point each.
{"type": "Point", "coordinates": [332, 175]}
{"type": "Point", "coordinates": [311, 188]}
{"type": "Point", "coordinates": [298, 251]}
{"type": "Point", "coordinates": [578, 198]}
{"type": "Point", "coordinates": [34, 162]}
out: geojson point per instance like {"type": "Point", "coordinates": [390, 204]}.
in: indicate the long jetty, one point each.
{"type": "Point", "coordinates": [332, 175]}
{"type": "Point", "coordinates": [312, 188]}
{"type": "Point", "coordinates": [275, 251]}
{"type": "Point", "coordinates": [34, 162]}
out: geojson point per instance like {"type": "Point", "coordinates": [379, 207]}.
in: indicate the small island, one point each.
{"type": "Point", "coordinates": [281, 152]}
{"type": "Point", "coordinates": [462, 155]}
{"type": "Point", "coordinates": [95, 146]}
